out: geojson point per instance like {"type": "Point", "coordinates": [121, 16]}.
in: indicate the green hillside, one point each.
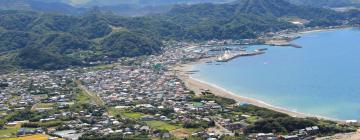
{"type": "Point", "coordinates": [50, 41]}
{"type": "Point", "coordinates": [53, 41]}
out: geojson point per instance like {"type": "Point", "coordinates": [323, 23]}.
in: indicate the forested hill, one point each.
{"type": "Point", "coordinates": [280, 8]}
{"type": "Point", "coordinates": [53, 41]}
{"type": "Point", "coordinates": [246, 18]}
{"type": "Point", "coordinates": [209, 21]}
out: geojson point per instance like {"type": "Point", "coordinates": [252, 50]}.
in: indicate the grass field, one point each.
{"type": "Point", "coordinates": [197, 104]}
{"type": "Point", "coordinates": [31, 137]}
{"type": "Point", "coordinates": [133, 115]}
{"type": "Point", "coordinates": [86, 96]}
{"type": "Point", "coordinates": [183, 132]}
{"type": "Point", "coordinates": [18, 125]}
{"type": "Point", "coordinates": [11, 131]}
{"type": "Point", "coordinates": [162, 125]}
{"type": "Point", "coordinates": [122, 112]}
{"type": "Point", "coordinates": [102, 67]}
{"type": "Point", "coordinates": [252, 119]}
{"type": "Point", "coordinates": [8, 132]}
{"type": "Point", "coordinates": [82, 98]}
{"type": "Point", "coordinates": [43, 105]}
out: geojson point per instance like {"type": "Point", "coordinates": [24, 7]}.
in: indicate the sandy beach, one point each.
{"type": "Point", "coordinates": [197, 86]}
{"type": "Point", "coordinates": [320, 30]}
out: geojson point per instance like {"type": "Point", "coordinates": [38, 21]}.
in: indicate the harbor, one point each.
{"type": "Point", "coordinates": [228, 55]}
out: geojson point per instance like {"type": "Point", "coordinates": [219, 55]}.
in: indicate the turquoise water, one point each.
{"type": "Point", "coordinates": [322, 78]}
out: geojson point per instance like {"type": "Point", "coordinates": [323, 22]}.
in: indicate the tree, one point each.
{"type": "Point", "coordinates": [2, 124]}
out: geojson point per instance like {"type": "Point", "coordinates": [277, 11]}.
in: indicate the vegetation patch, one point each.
{"type": "Point", "coordinates": [161, 125]}
{"type": "Point", "coordinates": [86, 96]}
{"type": "Point", "coordinates": [82, 98]}
{"type": "Point", "coordinates": [133, 115]}
{"type": "Point", "coordinates": [44, 105]}
{"type": "Point", "coordinates": [42, 124]}
{"type": "Point", "coordinates": [8, 132]}
{"type": "Point", "coordinates": [125, 113]}
{"type": "Point", "coordinates": [183, 132]}
{"type": "Point", "coordinates": [197, 104]}
{"type": "Point", "coordinates": [102, 67]}
{"type": "Point", "coordinates": [31, 137]}
{"type": "Point", "coordinates": [207, 96]}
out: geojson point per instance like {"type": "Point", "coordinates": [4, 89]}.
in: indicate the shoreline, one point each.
{"type": "Point", "coordinates": [320, 30]}
{"type": "Point", "coordinates": [196, 85]}
{"type": "Point", "coordinates": [283, 42]}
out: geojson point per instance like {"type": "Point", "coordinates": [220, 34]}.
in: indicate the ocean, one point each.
{"type": "Point", "coordinates": [322, 78]}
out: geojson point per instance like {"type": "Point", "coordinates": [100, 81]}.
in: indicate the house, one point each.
{"type": "Point", "coordinates": [21, 132]}
{"type": "Point", "coordinates": [68, 134]}
{"type": "Point", "coordinates": [292, 137]}
{"type": "Point", "coordinates": [312, 130]}
{"type": "Point", "coordinates": [11, 123]}
{"type": "Point", "coordinates": [351, 122]}
{"type": "Point", "coordinates": [145, 128]}
{"type": "Point", "coordinates": [166, 135]}
{"type": "Point", "coordinates": [237, 125]}
{"type": "Point", "coordinates": [266, 136]}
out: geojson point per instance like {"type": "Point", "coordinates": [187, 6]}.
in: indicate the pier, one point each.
{"type": "Point", "coordinates": [228, 56]}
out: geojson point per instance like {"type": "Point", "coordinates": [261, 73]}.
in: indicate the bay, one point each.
{"type": "Point", "coordinates": [322, 78]}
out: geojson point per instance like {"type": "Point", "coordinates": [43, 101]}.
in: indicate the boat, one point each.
{"type": "Point", "coordinates": [295, 46]}
{"type": "Point", "coordinates": [262, 49]}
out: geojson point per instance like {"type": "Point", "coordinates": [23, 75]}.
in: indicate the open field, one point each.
{"type": "Point", "coordinates": [31, 137]}
{"type": "Point", "coordinates": [92, 96]}
{"type": "Point", "coordinates": [43, 106]}
{"type": "Point", "coordinates": [81, 97]}
{"type": "Point", "coordinates": [124, 113]}
{"type": "Point", "coordinates": [161, 125]}
{"type": "Point", "coordinates": [8, 132]}
{"type": "Point", "coordinates": [184, 132]}
{"type": "Point", "coordinates": [133, 115]}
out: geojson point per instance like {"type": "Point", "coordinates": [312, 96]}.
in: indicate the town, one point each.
{"type": "Point", "coordinates": [139, 98]}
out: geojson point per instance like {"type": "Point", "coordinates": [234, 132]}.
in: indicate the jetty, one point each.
{"type": "Point", "coordinates": [281, 41]}
{"type": "Point", "coordinates": [284, 43]}
{"type": "Point", "coordinates": [228, 56]}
